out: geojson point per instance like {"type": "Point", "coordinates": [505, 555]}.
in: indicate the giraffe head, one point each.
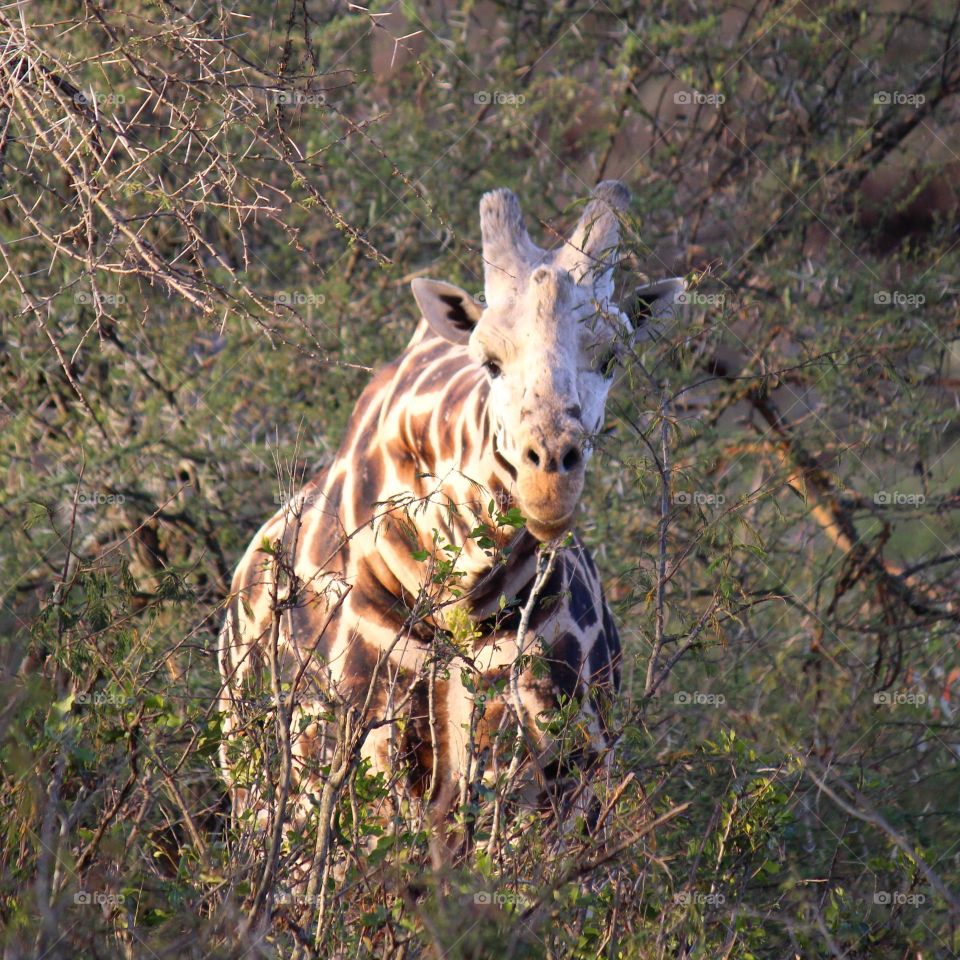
{"type": "Point", "coordinates": [549, 336]}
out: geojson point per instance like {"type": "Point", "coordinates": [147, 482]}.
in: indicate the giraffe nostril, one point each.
{"type": "Point", "coordinates": [532, 457]}
{"type": "Point", "coordinates": [574, 411]}
{"type": "Point", "coordinates": [571, 459]}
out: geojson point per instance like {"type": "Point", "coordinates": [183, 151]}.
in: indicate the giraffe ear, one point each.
{"type": "Point", "coordinates": [653, 303]}
{"type": "Point", "coordinates": [451, 312]}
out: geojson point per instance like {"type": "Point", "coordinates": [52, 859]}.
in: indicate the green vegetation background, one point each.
{"type": "Point", "coordinates": [209, 221]}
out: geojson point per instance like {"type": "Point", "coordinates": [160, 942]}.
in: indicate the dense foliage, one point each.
{"type": "Point", "coordinates": [209, 221]}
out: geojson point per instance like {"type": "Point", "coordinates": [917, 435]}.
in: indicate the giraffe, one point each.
{"type": "Point", "coordinates": [430, 579]}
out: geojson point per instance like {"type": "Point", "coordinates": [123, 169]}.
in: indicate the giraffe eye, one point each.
{"type": "Point", "coordinates": [493, 368]}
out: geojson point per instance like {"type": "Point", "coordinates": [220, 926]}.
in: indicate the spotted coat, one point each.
{"type": "Point", "coordinates": [418, 467]}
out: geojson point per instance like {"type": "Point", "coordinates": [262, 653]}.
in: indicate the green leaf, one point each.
{"type": "Point", "coordinates": [266, 547]}
{"type": "Point", "coordinates": [512, 518]}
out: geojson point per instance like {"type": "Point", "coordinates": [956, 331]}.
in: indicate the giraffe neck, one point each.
{"type": "Point", "coordinates": [435, 440]}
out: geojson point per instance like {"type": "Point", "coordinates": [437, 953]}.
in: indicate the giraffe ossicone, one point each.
{"type": "Point", "coordinates": [462, 456]}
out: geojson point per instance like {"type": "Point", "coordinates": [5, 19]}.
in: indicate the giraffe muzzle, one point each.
{"type": "Point", "coordinates": [550, 482]}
